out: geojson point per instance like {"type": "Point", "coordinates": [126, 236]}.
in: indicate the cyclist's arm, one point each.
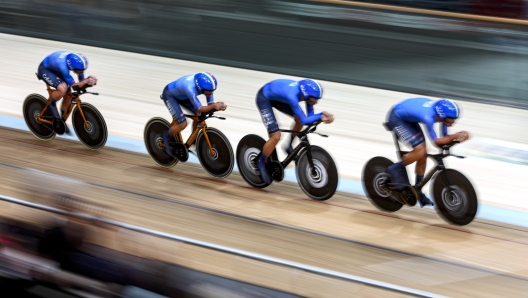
{"type": "Point", "coordinates": [444, 130]}
{"type": "Point", "coordinates": [310, 109]}
{"type": "Point", "coordinates": [208, 108]}
{"type": "Point", "coordinates": [193, 97]}
{"type": "Point", "coordinates": [306, 120]}
{"type": "Point", "coordinates": [81, 84]}
{"type": "Point", "coordinates": [210, 99]}
{"type": "Point", "coordinates": [298, 112]}
{"type": "Point", "coordinates": [67, 77]}
{"type": "Point", "coordinates": [446, 140]}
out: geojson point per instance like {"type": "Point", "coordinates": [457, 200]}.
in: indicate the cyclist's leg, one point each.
{"type": "Point", "coordinates": [268, 118]}
{"type": "Point", "coordinates": [421, 164]}
{"type": "Point", "coordinates": [55, 81]}
{"type": "Point", "coordinates": [189, 108]}
{"type": "Point", "coordinates": [66, 104]}
{"type": "Point", "coordinates": [179, 121]}
{"type": "Point", "coordinates": [297, 125]}
{"type": "Point", "coordinates": [411, 134]}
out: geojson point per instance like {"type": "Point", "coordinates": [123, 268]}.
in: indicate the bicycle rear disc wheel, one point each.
{"type": "Point", "coordinates": [152, 136]}
{"type": "Point", "coordinates": [456, 202]}
{"type": "Point", "coordinates": [33, 105]}
{"type": "Point", "coordinates": [321, 184]}
{"type": "Point", "coordinates": [375, 184]}
{"type": "Point", "coordinates": [221, 163]}
{"type": "Point", "coordinates": [94, 135]}
{"type": "Point", "coordinates": [247, 153]}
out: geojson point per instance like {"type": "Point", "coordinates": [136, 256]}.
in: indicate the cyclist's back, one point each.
{"type": "Point", "coordinates": [419, 109]}
{"type": "Point", "coordinates": [184, 88]}
{"type": "Point", "coordinates": [56, 62]}
{"type": "Point", "coordinates": [287, 92]}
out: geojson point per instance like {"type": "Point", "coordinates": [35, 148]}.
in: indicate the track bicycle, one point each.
{"type": "Point", "coordinates": [212, 147]}
{"type": "Point", "coordinates": [454, 196]}
{"type": "Point", "coordinates": [88, 123]}
{"type": "Point", "coordinates": [315, 169]}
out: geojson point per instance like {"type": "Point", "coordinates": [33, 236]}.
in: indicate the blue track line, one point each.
{"type": "Point", "coordinates": [345, 185]}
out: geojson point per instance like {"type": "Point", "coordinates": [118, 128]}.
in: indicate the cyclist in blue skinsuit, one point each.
{"type": "Point", "coordinates": [404, 120]}
{"type": "Point", "coordinates": [285, 95]}
{"type": "Point", "coordinates": [55, 71]}
{"type": "Point", "coordinates": [184, 93]}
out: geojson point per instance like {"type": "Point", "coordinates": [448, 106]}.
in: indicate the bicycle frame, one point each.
{"type": "Point", "coordinates": [303, 136]}
{"type": "Point", "coordinates": [200, 126]}
{"type": "Point", "coordinates": [439, 159]}
{"type": "Point", "coordinates": [75, 101]}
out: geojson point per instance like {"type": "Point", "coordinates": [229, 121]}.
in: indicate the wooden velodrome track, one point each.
{"type": "Point", "coordinates": [412, 248]}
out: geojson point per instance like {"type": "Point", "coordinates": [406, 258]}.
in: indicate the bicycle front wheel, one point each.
{"type": "Point", "coordinates": [33, 105]}
{"type": "Point", "coordinates": [220, 163]}
{"type": "Point", "coordinates": [321, 183]}
{"type": "Point", "coordinates": [455, 198]}
{"type": "Point", "coordinates": [94, 133]}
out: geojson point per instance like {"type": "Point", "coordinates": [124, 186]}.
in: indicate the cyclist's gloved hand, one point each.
{"type": "Point", "coordinates": [220, 106]}
{"type": "Point", "coordinates": [327, 117]}
{"type": "Point", "coordinates": [462, 136]}
{"type": "Point", "coordinates": [91, 80]}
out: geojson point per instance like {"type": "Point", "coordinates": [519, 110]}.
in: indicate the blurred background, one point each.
{"type": "Point", "coordinates": [470, 50]}
{"type": "Point", "coordinates": [431, 53]}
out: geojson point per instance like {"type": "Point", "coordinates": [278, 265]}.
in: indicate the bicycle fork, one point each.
{"type": "Point", "coordinates": [202, 126]}
{"type": "Point", "coordinates": [294, 153]}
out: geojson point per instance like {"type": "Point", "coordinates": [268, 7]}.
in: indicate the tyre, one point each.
{"type": "Point", "coordinates": [94, 134]}
{"type": "Point", "coordinates": [374, 184]}
{"type": "Point", "coordinates": [33, 105]}
{"type": "Point", "coordinates": [152, 136]}
{"type": "Point", "coordinates": [456, 202]}
{"type": "Point", "coordinates": [321, 184]}
{"type": "Point", "coordinates": [221, 163]}
{"type": "Point", "coordinates": [248, 150]}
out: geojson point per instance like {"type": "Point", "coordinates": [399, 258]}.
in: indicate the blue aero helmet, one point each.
{"type": "Point", "coordinates": [311, 88]}
{"type": "Point", "coordinates": [205, 82]}
{"type": "Point", "coordinates": [77, 61]}
{"type": "Point", "coordinates": [446, 108]}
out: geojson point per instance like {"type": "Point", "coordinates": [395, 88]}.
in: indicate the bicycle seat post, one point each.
{"type": "Point", "coordinates": [50, 91]}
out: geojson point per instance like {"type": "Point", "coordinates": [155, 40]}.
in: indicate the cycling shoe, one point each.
{"type": "Point", "coordinates": [263, 171]}
{"type": "Point", "coordinates": [424, 200]}
{"type": "Point", "coordinates": [53, 109]}
{"type": "Point", "coordinates": [67, 130]}
{"type": "Point", "coordinates": [288, 150]}
{"type": "Point", "coordinates": [166, 145]}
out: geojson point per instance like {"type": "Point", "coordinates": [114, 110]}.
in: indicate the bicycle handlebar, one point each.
{"type": "Point", "coordinates": [204, 116]}
{"type": "Point", "coordinates": [309, 129]}
{"type": "Point", "coordinates": [447, 146]}
{"type": "Point", "coordinates": [445, 151]}
{"type": "Point", "coordinates": [78, 91]}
